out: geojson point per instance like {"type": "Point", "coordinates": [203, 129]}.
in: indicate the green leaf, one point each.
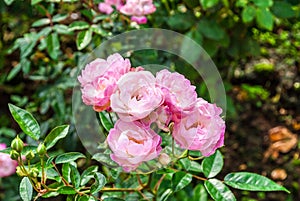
{"type": "Point", "coordinates": [213, 164]}
{"type": "Point", "coordinates": [27, 43]}
{"type": "Point", "coordinates": [211, 46]}
{"type": "Point", "coordinates": [55, 135]}
{"type": "Point", "coordinates": [44, 32]}
{"type": "Point", "coordinates": [78, 25]}
{"type": "Point", "coordinates": [106, 123]}
{"type": "Point", "coordinates": [66, 190]}
{"type": "Point", "coordinates": [264, 19]}
{"type": "Point", "coordinates": [105, 159]}
{"type": "Point", "coordinates": [191, 3]}
{"type": "Point", "coordinates": [196, 36]}
{"type": "Point", "coordinates": [33, 2]}
{"type": "Point", "coordinates": [263, 3]}
{"type": "Point", "coordinates": [100, 182]}
{"type": "Point", "coordinates": [283, 9]}
{"type": "Point", "coordinates": [41, 22]}
{"type": "Point", "coordinates": [26, 189]}
{"type": "Point", "coordinates": [181, 21]}
{"type": "Point", "coordinates": [252, 182]}
{"type": "Point", "coordinates": [210, 29]}
{"type": "Point", "coordinates": [241, 3]}
{"type": "Point", "coordinates": [208, 3]}
{"type": "Point", "coordinates": [166, 195]}
{"type": "Point", "coordinates": [62, 29]}
{"type": "Point", "coordinates": [86, 198]}
{"type": "Point", "coordinates": [14, 71]}
{"type": "Point", "coordinates": [83, 39]}
{"type": "Point", "coordinates": [195, 166]}
{"type": "Point", "coordinates": [59, 17]}
{"type": "Point", "coordinates": [50, 194]}
{"type": "Point", "coordinates": [99, 30]}
{"type": "Point", "coordinates": [113, 199]}
{"type": "Point", "coordinates": [248, 14]}
{"type": "Point", "coordinates": [53, 45]}
{"type": "Point", "coordinates": [9, 2]}
{"type": "Point", "coordinates": [25, 63]}
{"type": "Point", "coordinates": [218, 191]}
{"type": "Point", "coordinates": [68, 157]}
{"type": "Point", "coordinates": [200, 193]}
{"type": "Point", "coordinates": [75, 177]}
{"type": "Point", "coordinates": [186, 163]}
{"type": "Point", "coordinates": [88, 174]}
{"type": "Point", "coordinates": [66, 172]}
{"type": "Point", "coordinates": [26, 121]}
{"type": "Point", "coordinates": [181, 180]}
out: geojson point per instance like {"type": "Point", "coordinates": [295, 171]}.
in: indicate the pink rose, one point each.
{"type": "Point", "coordinates": [132, 143]}
{"type": "Point", "coordinates": [138, 9]}
{"type": "Point", "coordinates": [106, 6]}
{"type": "Point", "coordinates": [139, 19]}
{"type": "Point", "coordinates": [7, 165]}
{"type": "Point", "coordinates": [179, 94]}
{"type": "Point", "coordinates": [203, 129]}
{"type": "Point", "coordinates": [136, 96]}
{"type": "Point", "coordinates": [99, 78]}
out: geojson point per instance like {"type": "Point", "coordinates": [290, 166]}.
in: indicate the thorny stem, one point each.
{"type": "Point", "coordinates": [195, 176]}
{"type": "Point", "coordinates": [195, 159]}
{"type": "Point", "coordinates": [108, 189]}
{"type": "Point", "coordinates": [44, 177]}
{"type": "Point", "coordinates": [158, 184]}
{"type": "Point", "coordinates": [56, 169]}
{"type": "Point", "coordinates": [140, 181]}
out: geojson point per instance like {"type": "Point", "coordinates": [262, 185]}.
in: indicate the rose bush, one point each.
{"type": "Point", "coordinates": [140, 99]}
{"type": "Point", "coordinates": [65, 31]}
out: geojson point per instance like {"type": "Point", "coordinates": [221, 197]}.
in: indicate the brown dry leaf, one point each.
{"type": "Point", "coordinates": [296, 125]}
{"type": "Point", "coordinates": [279, 174]}
{"type": "Point", "coordinates": [282, 140]}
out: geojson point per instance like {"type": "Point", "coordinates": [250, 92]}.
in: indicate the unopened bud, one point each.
{"type": "Point", "coordinates": [34, 172]}
{"type": "Point", "coordinates": [164, 159]}
{"type": "Point", "coordinates": [29, 155]}
{"type": "Point", "coordinates": [20, 172]}
{"type": "Point", "coordinates": [14, 154]}
{"type": "Point", "coordinates": [17, 144]}
{"type": "Point", "coordinates": [41, 150]}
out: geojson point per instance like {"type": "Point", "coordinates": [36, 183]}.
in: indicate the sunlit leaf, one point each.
{"type": "Point", "coordinates": [26, 121]}
{"type": "Point", "coordinates": [83, 39]}
{"type": "Point", "coordinates": [213, 164]}
{"type": "Point", "coordinates": [26, 189]}
{"type": "Point", "coordinates": [100, 182]}
{"type": "Point", "coordinates": [55, 135]}
{"type": "Point", "coordinates": [68, 157]}
{"type": "Point", "coordinates": [218, 191]}
{"type": "Point", "coordinates": [181, 180]}
{"type": "Point", "coordinates": [252, 182]}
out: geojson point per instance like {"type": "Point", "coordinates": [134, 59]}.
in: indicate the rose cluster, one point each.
{"type": "Point", "coordinates": [140, 100]}
{"type": "Point", "coordinates": [137, 9]}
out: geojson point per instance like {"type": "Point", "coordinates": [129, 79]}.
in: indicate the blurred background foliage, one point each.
{"type": "Point", "coordinates": [254, 43]}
